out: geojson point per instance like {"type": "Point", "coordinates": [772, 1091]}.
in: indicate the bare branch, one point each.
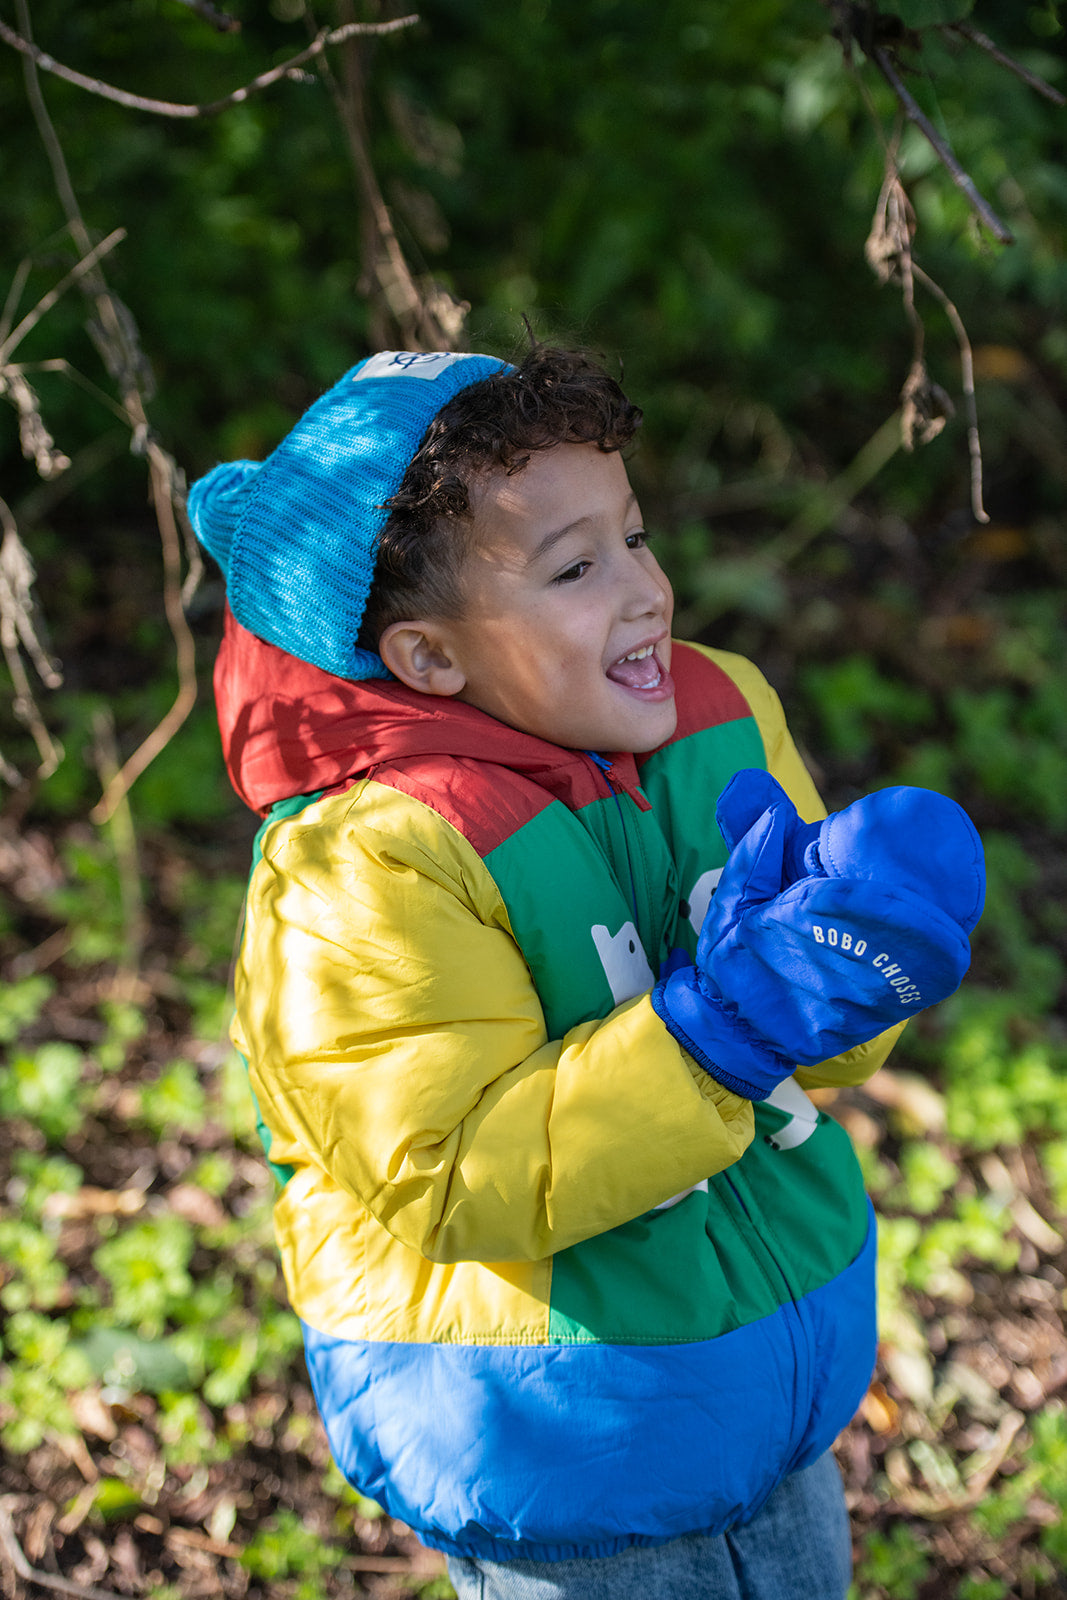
{"type": "Point", "coordinates": [167, 108]}
{"type": "Point", "coordinates": [61, 365]}
{"type": "Point", "coordinates": [14, 295]}
{"type": "Point", "coordinates": [963, 181]}
{"type": "Point", "coordinates": [45, 304]}
{"type": "Point", "coordinates": [164, 489]}
{"type": "Point", "coordinates": [416, 314]}
{"type": "Point", "coordinates": [115, 333]}
{"type": "Point", "coordinates": [966, 30]}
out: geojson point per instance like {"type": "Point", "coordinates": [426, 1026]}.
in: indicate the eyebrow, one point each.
{"type": "Point", "coordinates": [553, 538]}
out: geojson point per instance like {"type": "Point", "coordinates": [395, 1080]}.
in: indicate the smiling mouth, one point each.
{"type": "Point", "coordinates": [638, 670]}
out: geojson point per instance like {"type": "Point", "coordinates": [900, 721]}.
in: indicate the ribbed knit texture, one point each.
{"type": "Point", "coordinates": [297, 535]}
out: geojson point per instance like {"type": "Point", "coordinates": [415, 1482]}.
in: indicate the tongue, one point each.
{"type": "Point", "coordinates": [643, 674]}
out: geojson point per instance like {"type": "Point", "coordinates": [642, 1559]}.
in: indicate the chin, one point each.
{"type": "Point", "coordinates": [639, 740]}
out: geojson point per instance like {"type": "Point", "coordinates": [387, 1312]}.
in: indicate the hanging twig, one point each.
{"type": "Point", "coordinates": [925, 407]}
{"type": "Point", "coordinates": [167, 108]}
{"type": "Point", "coordinates": [966, 30]}
{"type": "Point", "coordinates": [963, 180]}
{"type": "Point", "coordinates": [974, 443]}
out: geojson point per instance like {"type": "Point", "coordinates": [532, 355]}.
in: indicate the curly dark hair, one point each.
{"type": "Point", "coordinates": [551, 397]}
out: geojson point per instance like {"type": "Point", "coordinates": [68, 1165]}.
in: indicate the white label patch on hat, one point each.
{"type": "Point", "coordinates": [408, 364]}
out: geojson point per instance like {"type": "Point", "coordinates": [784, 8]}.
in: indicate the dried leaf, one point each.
{"type": "Point", "coordinates": [879, 1410]}
{"type": "Point", "coordinates": [924, 407]}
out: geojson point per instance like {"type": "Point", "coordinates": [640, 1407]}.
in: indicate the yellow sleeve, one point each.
{"type": "Point", "coordinates": [784, 763]}
{"type": "Point", "coordinates": [395, 1040]}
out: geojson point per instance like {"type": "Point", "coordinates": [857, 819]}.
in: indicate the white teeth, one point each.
{"type": "Point", "coordinates": [639, 655]}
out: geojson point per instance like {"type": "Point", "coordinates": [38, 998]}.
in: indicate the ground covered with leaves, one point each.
{"type": "Point", "coordinates": [158, 1433]}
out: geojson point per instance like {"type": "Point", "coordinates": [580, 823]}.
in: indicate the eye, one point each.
{"type": "Point", "coordinates": [572, 574]}
{"type": "Point", "coordinates": [638, 539]}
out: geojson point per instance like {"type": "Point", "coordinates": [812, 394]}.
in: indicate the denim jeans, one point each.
{"type": "Point", "coordinates": [797, 1547]}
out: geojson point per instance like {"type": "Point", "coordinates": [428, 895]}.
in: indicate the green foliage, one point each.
{"type": "Point", "coordinates": [436, 1589]}
{"type": "Point", "coordinates": [146, 1268]}
{"type": "Point", "coordinates": [21, 1004]}
{"type": "Point", "coordinates": [90, 901]}
{"type": "Point", "coordinates": [893, 1565]}
{"type": "Point", "coordinates": [44, 1087]}
{"type": "Point", "coordinates": [187, 783]}
{"type": "Point", "coordinates": [971, 1588]}
{"type": "Point", "coordinates": [43, 1367]}
{"type": "Point", "coordinates": [285, 1548]}
{"type": "Point", "coordinates": [175, 1102]}
{"type": "Point", "coordinates": [927, 1175]}
{"type": "Point", "coordinates": [999, 1091]}
{"type": "Point", "coordinates": [854, 700]}
{"type": "Point", "coordinates": [188, 1435]}
{"type": "Point", "coordinates": [1054, 1161]}
{"type": "Point", "coordinates": [979, 1231]}
{"type": "Point", "coordinates": [1043, 1472]}
{"type": "Point", "coordinates": [235, 1101]}
{"type": "Point", "coordinates": [1016, 745]}
{"type": "Point", "coordinates": [125, 1025]}
{"type": "Point", "coordinates": [33, 1275]}
{"type": "Point", "coordinates": [210, 908]}
{"type": "Point", "coordinates": [115, 1500]}
{"type": "Point", "coordinates": [36, 1178]}
{"type": "Point", "coordinates": [214, 1173]}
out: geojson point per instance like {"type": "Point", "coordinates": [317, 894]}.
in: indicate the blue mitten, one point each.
{"type": "Point", "coordinates": [821, 935]}
{"type": "Point", "coordinates": [911, 838]}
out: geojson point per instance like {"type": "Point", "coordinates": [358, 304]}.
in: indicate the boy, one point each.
{"type": "Point", "coordinates": [586, 1283]}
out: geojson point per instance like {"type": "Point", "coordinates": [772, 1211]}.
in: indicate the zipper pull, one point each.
{"type": "Point", "coordinates": [600, 761]}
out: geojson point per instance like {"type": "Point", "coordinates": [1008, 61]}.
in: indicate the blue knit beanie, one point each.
{"type": "Point", "coordinates": [297, 535]}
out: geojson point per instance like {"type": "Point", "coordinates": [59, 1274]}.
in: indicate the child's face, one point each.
{"type": "Point", "coordinates": [560, 593]}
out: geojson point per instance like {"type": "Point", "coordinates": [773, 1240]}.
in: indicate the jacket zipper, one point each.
{"type": "Point", "coordinates": [604, 767]}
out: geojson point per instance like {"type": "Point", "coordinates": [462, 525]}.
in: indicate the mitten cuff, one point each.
{"type": "Point", "coordinates": [717, 1041]}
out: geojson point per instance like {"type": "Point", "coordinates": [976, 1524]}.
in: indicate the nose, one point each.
{"type": "Point", "coordinates": [649, 591]}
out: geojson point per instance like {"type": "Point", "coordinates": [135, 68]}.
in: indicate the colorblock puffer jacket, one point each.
{"type": "Point", "coordinates": [561, 1292]}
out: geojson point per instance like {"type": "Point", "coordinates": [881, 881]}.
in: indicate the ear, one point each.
{"type": "Point", "coordinates": [419, 655]}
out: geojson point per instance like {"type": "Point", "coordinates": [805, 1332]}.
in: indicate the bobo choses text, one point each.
{"type": "Point", "coordinates": [907, 992]}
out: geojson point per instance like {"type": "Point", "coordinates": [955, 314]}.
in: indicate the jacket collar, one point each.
{"type": "Point", "coordinates": [289, 728]}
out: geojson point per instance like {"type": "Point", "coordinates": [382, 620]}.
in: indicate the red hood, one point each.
{"type": "Point", "coordinates": [289, 728]}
